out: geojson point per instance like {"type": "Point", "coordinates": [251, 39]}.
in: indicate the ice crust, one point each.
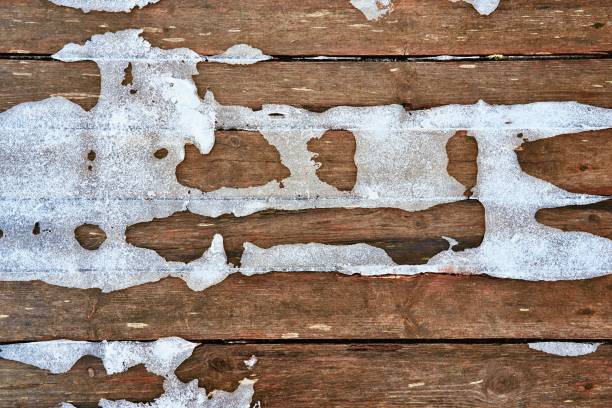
{"type": "Point", "coordinates": [484, 7]}
{"type": "Point", "coordinates": [240, 54]}
{"type": "Point", "coordinates": [104, 5]}
{"type": "Point", "coordinates": [565, 349]}
{"type": "Point", "coordinates": [400, 157]}
{"type": "Point", "coordinates": [375, 9]}
{"type": "Point", "coordinates": [161, 357]}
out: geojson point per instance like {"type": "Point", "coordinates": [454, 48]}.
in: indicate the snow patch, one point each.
{"type": "Point", "coordinates": [400, 157]}
{"type": "Point", "coordinates": [484, 7]}
{"type": "Point", "coordinates": [373, 9]}
{"type": "Point", "coordinates": [250, 363]}
{"type": "Point", "coordinates": [104, 5]}
{"type": "Point", "coordinates": [161, 357]}
{"type": "Point", "coordinates": [566, 349]}
{"type": "Point", "coordinates": [240, 54]}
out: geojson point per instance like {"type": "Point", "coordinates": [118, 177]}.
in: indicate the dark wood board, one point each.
{"type": "Point", "coordinates": [323, 27]}
{"type": "Point", "coordinates": [346, 375]}
{"type": "Point", "coordinates": [326, 339]}
{"type": "Point", "coordinates": [417, 85]}
{"type": "Point", "coordinates": [313, 306]}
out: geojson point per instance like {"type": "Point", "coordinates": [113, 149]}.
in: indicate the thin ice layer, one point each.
{"type": "Point", "coordinates": [400, 157]}
{"type": "Point", "coordinates": [161, 357]}
{"type": "Point", "coordinates": [104, 5]}
{"type": "Point", "coordinates": [565, 348]}
{"type": "Point", "coordinates": [375, 9]}
{"type": "Point", "coordinates": [240, 54]}
{"type": "Point", "coordinates": [484, 7]}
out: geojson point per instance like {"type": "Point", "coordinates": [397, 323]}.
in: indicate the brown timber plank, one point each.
{"type": "Point", "coordinates": [313, 306]}
{"type": "Point", "coordinates": [351, 375]}
{"type": "Point", "coordinates": [24, 386]}
{"type": "Point", "coordinates": [416, 85]}
{"type": "Point", "coordinates": [393, 375]}
{"type": "Point", "coordinates": [323, 27]}
{"type": "Point", "coordinates": [407, 237]}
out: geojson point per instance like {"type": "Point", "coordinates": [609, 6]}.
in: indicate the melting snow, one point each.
{"type": "Point", "coordinates": [104, 5]}
{"type": "Point", "coordinates": [240, 54]}
{"type": "Point", "coordinates": [375, 9]}
{"type": "Point", "coordinates": [566, 349]}
{"type": "Point", "coordinates": [400, 156]}
{"type": "Point", "coordinates": [161, 357]}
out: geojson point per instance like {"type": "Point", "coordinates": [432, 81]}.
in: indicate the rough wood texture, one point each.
{"type": "Point", "coordinates": [577, 162]}
{"type": "Point", "coordinates": [393, 375]}
{"type": "Point", "coordinates": [320, 85]}
{"type": "Point", "coordinates": [594, 218]}
{"type": "Point", "coordinates": [323, 27]}
{"type": "Point", "coordinates": [24, 386]}
{"type": "Point", "coordinates": [407, 237]}
{"type": "Point", "coordinates": [334, 152]}
{"type": "Point", "coordinates": [313, 306]}
{"type": "Point", "coordinates": [238, 160]}
{"type": "Point", "coordinates": [352, 375]}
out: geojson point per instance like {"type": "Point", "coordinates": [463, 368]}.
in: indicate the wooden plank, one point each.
{"type": "Point", "coordinates": [407, 237]}
{"type": "Point", "coordinates": [351, 375]}
{"type": "Point", "coordinates": [393, 375]}
{"type": "Point", "coordinates": [323, 27]}
{"type": "Point", "coordinates": [24, 386]}
{"type": "Point", "coordinates": [416, 85]}
{"type": "Point", "coordinates": [313, 306]}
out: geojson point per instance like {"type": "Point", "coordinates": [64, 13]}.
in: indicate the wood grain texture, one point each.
{"type": "Point", "coordinates": [351, 375]}
{"type": "Point", "coordinates": [577, 162]}
{"type": "Point", "coordinates": [407, 237]}
{"type": "Point", "coordinates": [334, 153]}
{"type": "Point", "coordinates": [24, 386]}
{"type": "Point", "coordinates": [393, 375]}
{"type": "Point", "coordinates": [237, 160]}
{"type": "Point", "coordinates": [313, 306]}
{"type": "Point", "coordinates": [593, 218]}
{"type": "Point", "coordinates": [321, 85]}
{"type": "Point", "coordinates": [323, 27]}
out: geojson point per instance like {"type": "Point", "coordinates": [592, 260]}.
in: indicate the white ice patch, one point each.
{"type": "Point", "coordinates": [104, 5]}
{"type": "Point", "coordinates": [373, 9]}
{"type": "Point", "coordinates": [312, 257]}
{"type": "Point", "coordinates": [240, 54]}
{"type": "Point", "coordinates": [400, 157]}
{"type": "Point", "coordinates": [484, 7]}
{"type": "Point", "coordinates": [250, 363]}
{"type": "Point", "coordinates": [161, 357]}
{"type": "Point", "coordinates": [565, 349]}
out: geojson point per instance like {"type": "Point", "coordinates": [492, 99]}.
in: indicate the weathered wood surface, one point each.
{"type": "Point", "coordinates": [323, 27]}
{"type": "Point", "coordinates": [470, 312]}
{"type": "Point", "coordinates": [321, 85]}
{"type": "Point", "coordinates": [451, 307]}
{"type": "Point", "coordinates": [313, 306]}
{"type": "Point", "coordinates": [23, 386]}
{"type": "Point", "coordinates": [357, 375]}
